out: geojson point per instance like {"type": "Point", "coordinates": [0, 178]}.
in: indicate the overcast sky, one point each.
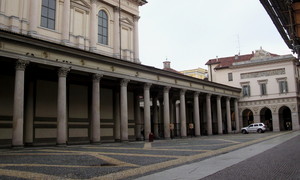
{"type": "Point", "coordinates": [190, 32]}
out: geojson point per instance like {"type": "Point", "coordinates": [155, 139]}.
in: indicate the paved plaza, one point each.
{"type": "Point", "coordinates": [119, 160]}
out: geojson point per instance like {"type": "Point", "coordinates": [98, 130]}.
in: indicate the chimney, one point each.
{"type": "Point", "coordinates": [167, 64]}
{"type": "Point", "coordinates": [236, 57]}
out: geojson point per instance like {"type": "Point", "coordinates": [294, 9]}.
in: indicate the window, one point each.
{"type": "Point", "coordinates": [48, 14]}
{"type": "Point", "coordinates": [246, 90]}
{"type": "Point", "coordinates": [283, 87]}
{"type": "Point", "coordinates": [102, 27]}
{"type": "Point", "coordinates": [263, 89]}
{"type": "Point", "coordinates": [230, 78]}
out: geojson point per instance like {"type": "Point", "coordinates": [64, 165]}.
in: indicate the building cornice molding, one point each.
{"type": "Point", "coordinates": [8, 37]}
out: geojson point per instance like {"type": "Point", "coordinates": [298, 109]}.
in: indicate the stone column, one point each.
{"type": "Point", "coordinates": [117, 127]}
{"type": "Point", "coordinates": [295, 121]}
{"type": "Point", "coordinates": [147, 117]}
{"type": "Point", "coordinates": [18, 112]}
{"type": "Point", "coordinates": [228, 113]}
{"type": "Point", "coordinates": [160, 117]}
{"type": "Point", "coordinates": [62, 107]}
{"type": "Point", "coordinates": [208, 114]}
{"type": "Point", "coordinates": [66, 21]}
{"type": "Point", "coordinates": [137, 117]}
{"type": "Point", "coordinates": [182, 113]}
{"type": "Point", "coordinates": [29, 114]}
{"type": "Point", "coordinates": [166, 113]}
{"type": "Point", "coordinates": [172, 115]}
{"type": "Point", "coordinates": [116, 33]}
{"type": "Point", "coordinates": [96, 109]}
{"type": "Point", "coordinates": [33, 17]}
{"type": "Point", "coordinates": [155, 116]}
{"type": "Point", "coordinates": [177, 118]}
{"type": "Point", "coordinates": [136, 39]}
{"type": "Point", "coordinates": [124, 110]}
{"type": "Point", "coordinates": [275, 122]}
{"type": "Point", "coordinates": [236, 114]}
{"type": "Point", "coordinates": [196, 114]}
{"type": "Point", "coordinates": [219, 112]}
{"type": "Point", "coordinates": [93, 26]}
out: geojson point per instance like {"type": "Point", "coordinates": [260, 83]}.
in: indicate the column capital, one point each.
{"type": "Point", "coordinates": [182, 91]}
{"type": "Point", "coordinates": [136, 18]}
{"type": "Point", "coordinates": [21, 64]}
{"type": "Point", "coordinates": [63, 72]}
{"type": "Point", "coordinates": [219, 97]}
{"type": "Point", "coordinates": [97, 77]}
{"type": "Point", "coordinates": [196, 94]}
{"type": "Point", "coordinates": [228, 98]}
{"type": "Point", "coordinates": [147, 86]}
{"type": "Point", "coordinates": [167, 89]}
{"type": "Point", "coordinates": [124, 82]}
{"type": "Point", "coordinates": [208, 95]}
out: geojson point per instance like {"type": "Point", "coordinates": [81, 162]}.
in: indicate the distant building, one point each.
{"type": "Point", "coordinates": [270, 87]}
{"type": "Point", "coordinates": [199, 73]}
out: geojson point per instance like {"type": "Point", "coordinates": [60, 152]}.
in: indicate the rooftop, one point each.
{"type": "Point", "coordinates": [226, 62]}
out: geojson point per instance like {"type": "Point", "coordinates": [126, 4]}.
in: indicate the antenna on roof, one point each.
{"type": "Point", "coordinates": [239, 46]}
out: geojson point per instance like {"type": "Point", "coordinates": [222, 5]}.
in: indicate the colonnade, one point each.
{"type": "Point", "coordinates": [167, 107]}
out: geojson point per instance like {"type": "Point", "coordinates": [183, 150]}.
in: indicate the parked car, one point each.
{"type": "Point", "coordinates": [255, 127]}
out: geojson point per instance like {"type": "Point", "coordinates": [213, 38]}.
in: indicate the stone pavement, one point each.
{"type": "Point", "coordinates": [119, 160]}
{"type": "Point", "coordinates": [273, 164]}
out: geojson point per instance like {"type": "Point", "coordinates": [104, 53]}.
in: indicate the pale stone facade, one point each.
{"type": "Point", "coordinates": [199, 73]}
{"type": "Point", "coordinates": [272, 82]}
{"type": "Point", "coordinates": [61, 86]}
{"type": "Point", "coordinates": [75, 24]}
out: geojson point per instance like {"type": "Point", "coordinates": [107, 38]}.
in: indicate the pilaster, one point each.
{"type": "Point", "coordinates": [183, 113]}
{"type": "Point", "coordinates": [147, 117]}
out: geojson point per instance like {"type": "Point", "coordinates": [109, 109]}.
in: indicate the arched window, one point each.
{"type": "Point", "coordinates": [102, 27]}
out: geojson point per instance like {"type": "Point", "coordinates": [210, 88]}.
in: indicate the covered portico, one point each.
{"type": "Point", "coordinates": [54, 94]}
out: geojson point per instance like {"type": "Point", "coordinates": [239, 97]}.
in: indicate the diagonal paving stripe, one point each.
{"type": "Point", "coordinates": [227, 140]}
{"type": "Point", "coordinates": [26, 175]}
{"type": "Point", "coordinates": [152, 149]}
{"type": "Point", "coordinates": [110, 160]}
{"type": "Point", "coordinates": [200, 145]}
{"type": "Point", "coordinates": [153, 167]}
{"type": "Point", "coordinates": [141, 155]}
{"type": "Point", "coordinates": [43, 165]}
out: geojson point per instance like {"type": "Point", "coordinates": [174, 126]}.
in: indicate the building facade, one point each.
{"type": "Point", "coordinates": [199, 73]}
{"type": "Point", "coordinates": [269, 83]}
{"type": "Point", "coordinates": [62, 80]}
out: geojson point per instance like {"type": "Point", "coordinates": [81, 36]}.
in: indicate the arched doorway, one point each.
{"type": "Point", "coordinates": [247, 117]}
{"type": "Point", "coordinates": [285, 119]}
{"type": "Point", "coordinates": [266, 118]}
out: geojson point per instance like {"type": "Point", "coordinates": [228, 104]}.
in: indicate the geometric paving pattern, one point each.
{"type": "Point", "coordinates": [117, 160]}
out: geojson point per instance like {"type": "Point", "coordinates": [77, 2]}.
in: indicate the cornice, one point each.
{"type": "Point", "coordinates": [71, 51]}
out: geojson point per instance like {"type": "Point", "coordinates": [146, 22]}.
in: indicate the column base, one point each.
{"type": "Point", "coordinates": [167, 138]}
{"type": "Point", "coordinates": [95, 142]}
{"type": "Point", "coordinates": [139, 139]}
{"type": "Point", "coordinates": [183, 137]}
{"type": "Point", "coordinates": [125, 141]}
{"type": "Point", "coordinates": [117, 140]}
{"type": "Point", "coordinates": [17, 146]}
{"type": "Point", "coordinates": [29, 144]}
{"type": "Point", "coordinates": [61, 144]}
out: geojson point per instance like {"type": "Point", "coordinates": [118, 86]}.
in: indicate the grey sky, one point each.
{"type": "Point", "coordinates": [190, 32]}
